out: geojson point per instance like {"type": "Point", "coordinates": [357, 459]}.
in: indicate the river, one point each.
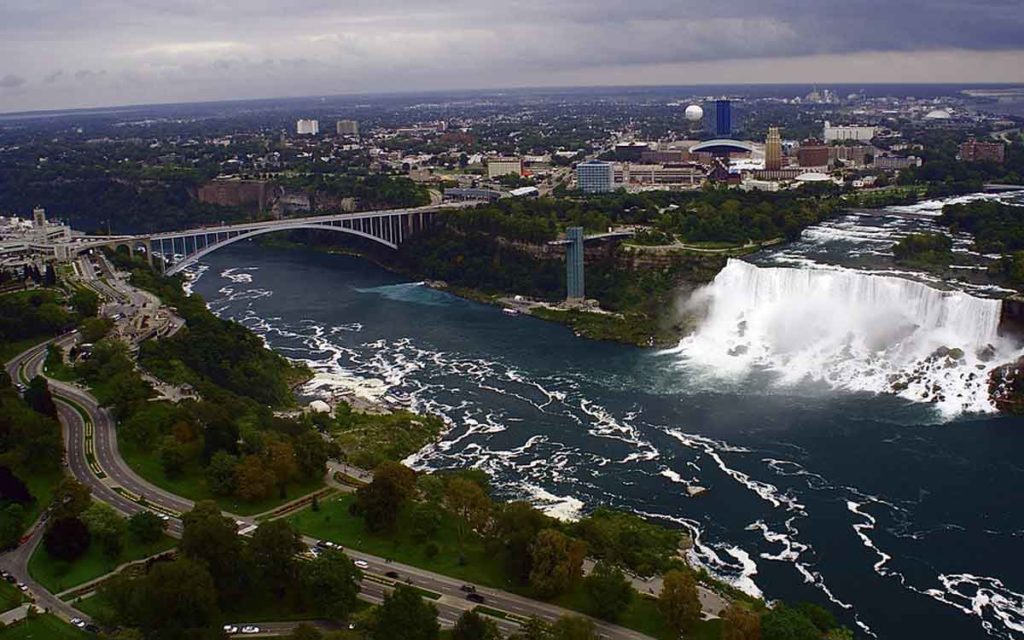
{"type": "Point", "coordinates": [900, 514]}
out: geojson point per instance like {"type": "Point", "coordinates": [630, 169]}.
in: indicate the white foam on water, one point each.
{"type": "Point", "coordinates": [767, 492]}
{"type": "Point", "coordinates": [852, 331]}
{"type": "Point", "coordinates": [565, 508]}
{"type": "Point", "coordinates": [985, 597]}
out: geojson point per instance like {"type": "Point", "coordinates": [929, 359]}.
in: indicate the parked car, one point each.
{"type": "Point", "coordinates": [392, 574]}
{"type": "Point", "coordinates": [475, 597]}
{"type": "Point", "coordinates": [250, 628]}
{"type": "Point", "coordinates": [92, 628]}
{"type": "Point", "coordinates": [468, 588]}
{"type": "Point", "coordinates": [362, 564]}
{"type": "Point", "coordinates": [78, 622]}
{"type": "Point", "coordinates": [230, 628]}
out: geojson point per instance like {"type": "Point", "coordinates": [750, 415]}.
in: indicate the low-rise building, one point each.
{"type": "Point", "coordinates": [497, 167]}
{"type": "Point", "coordinates": [973, 151]}
{"type": "Point", "coordinates": [841, 132]}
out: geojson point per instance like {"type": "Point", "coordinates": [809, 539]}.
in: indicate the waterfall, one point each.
{"type": "Point", "coordinates": [850, 330]}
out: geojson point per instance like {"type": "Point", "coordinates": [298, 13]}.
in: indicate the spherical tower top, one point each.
{"type": "Point", "coordinates": [694, 113]}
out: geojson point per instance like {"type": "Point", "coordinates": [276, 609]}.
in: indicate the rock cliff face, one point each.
{"type": "Point", "coordinates": [1006, 387]}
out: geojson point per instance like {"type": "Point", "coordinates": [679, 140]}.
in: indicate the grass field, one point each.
{"type": "Point", "coordinates": [43, 627]}
{"type": "Point", "coordinates": [333, 522]}
{"type": "Point", "coordinates": [10, 597]}
{"type": "Point", "coordinates": [59, 576]}
{"type": "Point", "coordinates": [192, 484]}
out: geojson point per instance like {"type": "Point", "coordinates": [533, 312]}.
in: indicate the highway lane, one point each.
{"type": "Point", "coordinates": [451, 604]}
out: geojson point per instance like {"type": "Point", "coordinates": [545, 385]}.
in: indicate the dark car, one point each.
{"type": "Point", "coordinates": [468, 588]}
{"type": "Point", "coordinates": [392, 574]}
{"type": "Point", "coordinates": [92, 628]}
{"type": "Point", "coordinates": [475, 597]}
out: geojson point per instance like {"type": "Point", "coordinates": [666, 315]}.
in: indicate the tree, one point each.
{"type": "Point", "coordinates": [839, 633]}
{"type": "Point", "coordinates": [516, 526]}
{"type": "Point", "coordinates": [819, 616]}
{"type": "Point", "coordinates": [67, 539]}
{"type": "Point", "coordinates": [39, 398]}
{"type": "Point", "coordinates": [405, 616]}
{"type": "Point", "coordinates": [93, 330]}
{"type": "Point", "coordinates": [470, 504]}
{"type": "Point", "coordinates": [785, 623]}
{"type": "Point", "coordinates": [174, 598]}
{"type": "Point", "coordinates": [212, 538]}
{"type": "Point", "coordinates": [426, 520]}
{"type": "Point", "coordinates": [12, 520]}
{"type": "Point", "coordinates": [608, 590]}
{"type": "Point", "coordinates": [252, 482]}
{"type": "Point", "coordinates": [146, 526]}
{"type": "Point", "coordinates": [740, 623]}
{"type": "Point", "coordinates": [678, 601]}
{"type": "Point", "coordinates": [311, 454]}
{"type": "Point", "coordinates": [106, 527]}
{"type": "Point", "coordinates": [280, 457]}
{"type": "Point", "coordinates": [473, 626]}
{"type": "Point", "coordinates": [572, 628]}
{"type": "Point", "coordinates": [380, 501]}
{"type": "Point", "coordinates": [220, 473]}
{"type": "Point", "coordinates": [557, 561]}
{"type": "Point", "coordinates": [12, 489]}
{"type": "Point", "coordinates": [85, 302]}
{"type": "Point", "coordinates": [173, 457]}
{"type": "Point", "coordinates": [70, 498]}
{"type": "Point", "coordinates": [332, 584]}
{"type": "Point", "coordinates": [533, 629]}
{"type": "Point", "coordinates": [272, 552]}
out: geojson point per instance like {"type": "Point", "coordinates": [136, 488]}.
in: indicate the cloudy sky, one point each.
{"type": "Point", "coordinates": [76, 53]}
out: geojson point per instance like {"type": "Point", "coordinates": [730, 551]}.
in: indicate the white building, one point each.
{"type": "Point", "coordinates": [840, 132]}
{"type": "Point", "coordinates": [307, 127]}
{"type": "Point", "coordinates": [497, 167]}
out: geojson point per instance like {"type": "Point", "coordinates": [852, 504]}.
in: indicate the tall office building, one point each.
{"type": "Point", "coordinates": [773, 150]}
{"type": "Point", "coordinates": [574, 264]}
{"type": "Point", "coordinates": [723, 118]}
{"type": "Point", "coordinates": [39, 217]}
{"type": "Point", "coordinates": [307, 127]}
{"type": "Point", "coordinates": [595, 176]}
{"type": "Point", "coordinates": [347, 128]}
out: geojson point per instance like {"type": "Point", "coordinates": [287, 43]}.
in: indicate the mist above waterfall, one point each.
{"type": "Point", "coordinates": [850, 330]}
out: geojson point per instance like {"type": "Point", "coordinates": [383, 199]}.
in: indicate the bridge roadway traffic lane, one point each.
{"type": "Point", "coordinates": [451, 604]}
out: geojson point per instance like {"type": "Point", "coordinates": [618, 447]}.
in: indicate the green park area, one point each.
{"type": "Point", "coordinates": [191, 483]}
{"type": "Point", "coordinates": [43, 627]}
{"type": "Point", "coordinates": [440, 553]}
{"type": "Point", "coordinates": [58, 575]}
{"type": "Point", "coordinates": [10, 596]}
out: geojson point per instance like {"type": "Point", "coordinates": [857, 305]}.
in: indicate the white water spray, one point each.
{"type": "Point", "coordinates": [851, 330]}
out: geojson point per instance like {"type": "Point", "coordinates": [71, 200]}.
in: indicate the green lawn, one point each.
{"type": "Point", "coordinates": [192, 485]}
{"type": "Point", "coordinates": [10, 597]}
{"type": "Point", "coordinates": [41, 486]}
{"type": "Point", "coordinates": [94, 607]}
{"type": "Point", "coordinates": [43, 627]}
{"type": "Point", "coordinates": [10, 349]}
{"type": "Point", "coordinates": [334, 523]}
{"type": "Point", "coordinates": [59, 576]}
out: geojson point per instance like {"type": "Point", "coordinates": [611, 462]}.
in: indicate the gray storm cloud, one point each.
{"type": "Point", "coordinates": [157, 50]}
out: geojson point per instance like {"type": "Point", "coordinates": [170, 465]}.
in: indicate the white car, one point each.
{"type": "Point", "coordinates": [362, 564]}
{"type": "Point", "coordinates": [230, 628]}
{"type": "Point", "coordinates": [250, 628]}
{"type": "Point", "coordinates": [78, 622]}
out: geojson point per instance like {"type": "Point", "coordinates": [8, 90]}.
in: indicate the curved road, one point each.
{"type": "Point", "coordinates": [118, 474]}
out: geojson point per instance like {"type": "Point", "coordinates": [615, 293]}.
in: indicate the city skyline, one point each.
{"type": "Point", "coordinates": [72, 55]}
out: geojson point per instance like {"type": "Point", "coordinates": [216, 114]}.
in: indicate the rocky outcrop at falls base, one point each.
{"type": "Point", "coordinates": [1006, 387]}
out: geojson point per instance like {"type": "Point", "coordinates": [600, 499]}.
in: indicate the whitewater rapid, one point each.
{"type": "Point", "coordinates": [850, 330]}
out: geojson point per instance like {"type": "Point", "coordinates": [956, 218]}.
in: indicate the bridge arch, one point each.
{"type": "Point", "coordinates": [206, 250]}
